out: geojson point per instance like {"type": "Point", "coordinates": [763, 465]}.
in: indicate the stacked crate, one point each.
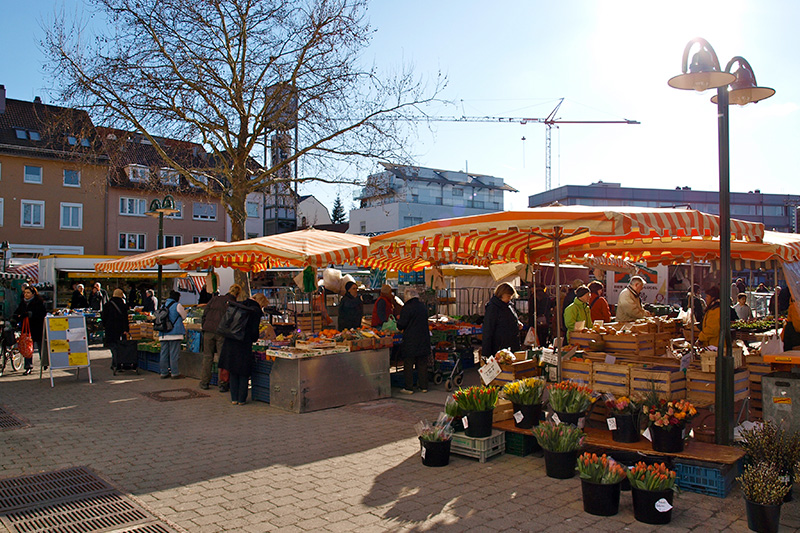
{"type": "Point", "coordinates": [758, 368]}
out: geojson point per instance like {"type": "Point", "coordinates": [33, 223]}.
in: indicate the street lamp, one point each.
{"type": "Point", "coordinates": [4, 246]}
{"type": "Point", "coordinates": [159, 209]}
{"type": "Point", "coordinates": [739, 88]}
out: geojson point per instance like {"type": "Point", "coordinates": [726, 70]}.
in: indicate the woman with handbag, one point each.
{"type": "Point", "coordinates": [29, 318]}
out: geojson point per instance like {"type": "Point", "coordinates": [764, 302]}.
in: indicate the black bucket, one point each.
{"type": "Point", "coordinates": [435, 453]}
{"type": "Point", "coordinates": [530, 415]}
{"type": "Point", "coordinates": [667, 440]}
{"type": "Point", "coordinates": [479, 423]}
{"type": "Point", "coordinates": [600, 499]}
{"type": "Point", "coordinates": [576, 419]}
{"type": "Point", "coordinates": [627, 429]}
{"type": "Point", "coordinates": [652, 506]}
{"type": "Point", "coordinates": [762, 518]}
{"type": "Point", "coordinates": [560, 465]}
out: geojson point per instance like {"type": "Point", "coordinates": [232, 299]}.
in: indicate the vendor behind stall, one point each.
{"type": "Point", "coordinates": [351, 308]}
{"type": "Point", "coordinates": [709, 334]}
{"type": "Point", "coordinates": [629, 306]}
{"type": "Point", "coordinates": [578, 311]}
{"type": "Point", "coordinates": [598, 304]}
{"type": "Point", "coordinates": [384, 307]}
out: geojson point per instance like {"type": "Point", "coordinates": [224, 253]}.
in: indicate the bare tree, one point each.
{"type": "Point", "coordinates": [231, 73]}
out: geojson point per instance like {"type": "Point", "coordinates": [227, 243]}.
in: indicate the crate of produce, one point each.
{"type": "Point", "coordinates": [701, 386]}
{"type": "Point", "coordinates": [520, 444]}
{"type": "Point", "coordinates": [661, 341]}
{"type": "Point", "coordinates": [479, 448]}
{"type": "Point", "coordinates": [584, 338]}
{"type": "Point", "coordinates": [669, 382]}
{"type": "Point", "coordinates": [577, 370]}
{"type": "Point", "coordinates": [443, 335]}
{"type": "Point", "coordinates": [615, 379]}
{"type": "Point", "coordinates": [259, 394]}
{"type": "Point", "coordinates": [516, 371]}
{"type": "Point", "coordinates": [630, 343]}
{"type": "Point", "coordinates": [705, 478]}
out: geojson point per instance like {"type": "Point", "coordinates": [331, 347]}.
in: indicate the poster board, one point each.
{"type": "Point", "coordinates": [655, 288]}
{"type": "Point", "coordinates": [67, 343]}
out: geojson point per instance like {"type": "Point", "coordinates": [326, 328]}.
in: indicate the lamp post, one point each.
{"type": "Point", "coordinates": [738, 87]}
{"type": "Point", "coordinates": [4, 246]}
{"type": "Point", "coordinates": [159, 209]}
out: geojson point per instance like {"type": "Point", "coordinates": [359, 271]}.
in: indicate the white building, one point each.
{"type": "Point", "coordinates": [311, 212]}
{"type": "Point", "coordinates": [403, 196]}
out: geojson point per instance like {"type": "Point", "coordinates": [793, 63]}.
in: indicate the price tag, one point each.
{"type": "Point", "coordinates": [518, 416]}
{"type": "Point", "coordinates": [646, 434]}
{"type": "Point", "coordinates": [422, 452]}
{"type": "Point", "coordinates": [549, 357]}
{"type": "Point", "coordinates": [489, 371]}
{"type": "Point", "coordinates": [612, 423]}
{"type": "Point", "coordinates": [662, 505]}
{"type": "Point", "coordinates": [556, 420]}
{"type": "Point", "coordinates": [465, 422]}
{"type": "Point", "coordinates": [686, 360]}
{"type": "Point", "coordinates": [552, 373]}
{"type": "Point", "coordinates": [610, 359]}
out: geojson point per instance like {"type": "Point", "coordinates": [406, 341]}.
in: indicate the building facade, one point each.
{"type": "Point", "coordinates": [311, 212]}
{"type": "Point", "coordinates": [402, 196]}
{"type": "Point", "coordinates": [778, 212]}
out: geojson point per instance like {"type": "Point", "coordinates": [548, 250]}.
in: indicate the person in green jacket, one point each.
{"type": "Point", "coordinates": [578, 310]}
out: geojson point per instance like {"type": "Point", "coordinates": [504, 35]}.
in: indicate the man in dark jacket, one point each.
{"type": "Point", "coordinates": [212, 341]}
{"type": "Point", "coordinates": [416, 345]}
{"type": "Point", "coordinates": [150, 303]}
{"type": "Point", "coordinates": [98, 298]}
{"type": "Point", "coordinates": [115, 323]}
{"type": "Point", "coordinates": [237, 355]}
{"type": "Point", "coordinates": [500, 323]}
{"type": "Point", "coordinates": [351, 308]}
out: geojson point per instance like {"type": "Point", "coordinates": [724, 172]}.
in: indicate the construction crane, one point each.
{"type": "Point", "coordinates": [549, 121]}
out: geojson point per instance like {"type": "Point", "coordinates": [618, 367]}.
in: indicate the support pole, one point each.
{"type": "Point", "coordinates": [160, 246]}
{"type": "Point", "coordinates": [559, 312]}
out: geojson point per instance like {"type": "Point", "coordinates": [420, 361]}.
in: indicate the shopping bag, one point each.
{"type": "Point", "coordinates": [25, 341]}
{"type": "Point", "coordinates": [771, 345]}
{"type": "Point", "coordinates": [530, 337]}
{"type": "Point", "coordinates": [389, 325]}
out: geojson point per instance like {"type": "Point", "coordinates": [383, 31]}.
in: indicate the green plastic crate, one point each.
{"type": "Point", "coordinates": [520, 445]}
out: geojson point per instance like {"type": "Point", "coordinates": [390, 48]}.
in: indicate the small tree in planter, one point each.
{"type": "Point", "coordinates": [560, 443]}
{"type": "Point", "coordinates": [764, 489]}
{"type": "Point", "coordinates": [768, 443]}
{"type": "Point", "coordinates": [600, 483]}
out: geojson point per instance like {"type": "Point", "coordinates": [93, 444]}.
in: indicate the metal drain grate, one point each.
{"type": "Point", "coordinates": [9, 421]}
{"type": "Point", "coordinates": [71, 501]}
{"type": "Point", "coordinates": [172, 395]}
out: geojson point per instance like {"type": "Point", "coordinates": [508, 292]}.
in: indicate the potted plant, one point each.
{"type": "Point", "coordinates": [652, 487]}
{"type": "Point", "coordinates": [560, 443]}
{"type": "Point", "coordinates": [452, 410]}
{"type": "Point", "coordinates": [477, 402]}
{"type": "Point", "coordinates": [570, 401]}
{"type": "Point", "coordinates": [625, 414]}
{"type": "Point", "coordinates": [769, 443]}
{"type": "Point", "coordinates": [667, 422]}
{"type": "Point", "coordinates": [601, 478]}
{"type": "Point", "coordinates": [764, 489]}
{"type": "Point", "coordinates": [526, 396]}
{"type": "Point", "coordinates": [435, 441]}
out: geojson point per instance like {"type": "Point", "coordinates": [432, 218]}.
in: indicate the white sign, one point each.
{"type": "Point", "coordinates": [646, 434]}
{"type": "Point", "coordinates": [612, 423]}
{"type": "Point", "coordinates": [686, 360]}
{"type": "Point", "coordinates": [489, 371]}
{"type": "Point", "coordinates": [610, 359]}
{"type": "Point", "coordinates": [556, 420]}
{"type": "Point", "coordinates": [655, 288]}
{"type": "Point", "coordinates": [549, 357]}
{"type": "Point", "coordinates": [662, 505]}
{"type": "Point", "coordinates": [422, 452]}
{"type": "Point", "coordinates": [579, 325]}
{"type": "Point", "coordinates": [465, 422]}
{"type": "Point", "coordinates": [518, 416]}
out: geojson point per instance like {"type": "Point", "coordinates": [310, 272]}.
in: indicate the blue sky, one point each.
{"type": "Point", "coordinates": [610, 60]}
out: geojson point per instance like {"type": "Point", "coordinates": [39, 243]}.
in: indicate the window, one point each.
{"type": "Point", "coordinates": [132, 241]}
{"type": "Point", "coordinates": [1, 212]}
{"type": "Point", "coordinates": [33, 174]}
{"type": "Point", "coordinates": [458, 192]}
{"type": "Point", "coordinates": [132, 206]}
{"type": "Point", "coordinates": [21, 134]}
{"type": "Point", "coordinates": [199, 177]}
{"type": "Point", "coordinates": [437, 200]}
{"type": "Point", "coordinates": [411, 221]}
{"type": "Point", "coordinates": [34, 135]}
{"type": "Point", "coordinates": [415, 198]}
{"type": "Point", "coordinates": [72, 140]}
{"type": "Point", "coordinates": [72, 178]}
{"type": "Point", "coordinates": [252, 235]}
{"type": "Point", "coordinates": [31, 214]}
{"type": "Point", "coordinates": [179, 207]}
{"type": "Point", "coordinates": [71, 216]}
{"type": "Point", "coordinates": [252, 209]}
{"type": "Point", "coordinates": [138, 173]}
{"type": "Point", "coordinates": [203, 211]}
{"type": "Point", "coordinates": [85, 142]}
{"type": "Point", "coordinates": [774, 211]}
{"type": "Point", "coordinates": [172, 240]}
{"type": "Point", "coordinates": [168, 176]}
{"type": "Point", "coordinates": [201, 238]}
{"type": "Point", "coordinates": [363, 227]}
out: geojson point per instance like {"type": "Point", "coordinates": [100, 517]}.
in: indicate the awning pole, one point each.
{"type": "Point", "coordinates": [691, 303]}
{"type": "Point", "coordinates": [556, 264]}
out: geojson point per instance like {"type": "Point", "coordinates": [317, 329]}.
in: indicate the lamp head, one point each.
{"type": "Point", "coordinates": [704, 71]}
{"type": "Point", "coordinates": [162, 207]}
{"type": "Point", "coordinates": [155, 206]}
{"type": "Point", "coordinates": [4, 246]}
{"type": "Point", "coordinates": [745, 89]}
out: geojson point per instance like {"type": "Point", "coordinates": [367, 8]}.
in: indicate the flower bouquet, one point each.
{"type": "Point", "coordinates": [625, 414]}
{"type": "Point", "coordinates": [652, 488]}
{"type": "Point", "coordinates": [526, 395]}
{"type": "Point", "coordinates": [560, 443]}
{"type": "Point", "coordinates": [570, 401]}
{"type": "Point", "coordinates": [477, 403]}
{"type": "Point", "coordinates": [435, 440]}
{"type": "Point", "coordinates": [667, 420]}
{"type": "Point", "coordinates": [601, 478]}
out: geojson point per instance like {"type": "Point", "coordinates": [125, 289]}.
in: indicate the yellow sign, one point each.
{"type": "Point", "coordinates": [59, 324]}
{"type": "Point", "coordinates": [781, 399]}
{"type": "Point", "coordinates": [78, 359]}
{"type": "Point", "coordinates": [59, 345]}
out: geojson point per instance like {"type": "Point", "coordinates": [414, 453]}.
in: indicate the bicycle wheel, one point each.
{"type": "Point", "coordinates": [15, 358]}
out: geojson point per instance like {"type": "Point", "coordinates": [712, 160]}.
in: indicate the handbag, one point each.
{"type": "Point", "coordinates": [530, 337]}
{"type": "Point", "coordinates": [25, 341]}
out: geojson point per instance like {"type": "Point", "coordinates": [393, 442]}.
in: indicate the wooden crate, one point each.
{"type": "Point", "coordinates": [630, 344]}
{"type": "Point", "coordinates": [661, 341]}
{"type": "Point", "coordinates": [583, 338]}
{"type": "Point", "coordinates": [708, 360]}
{"type": "Point", "coordinates": [614, 379]}
{"type": "Point", "coordinates": [516, 371]}
{"type": "Point", "coordinates": [578, 371]}
{"type": "Point", "coordinates": [669, 382]}
{"type": "Point", "coordinates": [758, 368]}
{"type": "Point", "coordinates": [503, 410]}
{"type": "Point", "coordinates": [701, 386]}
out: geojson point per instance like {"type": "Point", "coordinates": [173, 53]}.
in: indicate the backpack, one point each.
{"type": "Point", "coordinates": [162, 322]}
{"type": "Point", "coordinates": [233, 324]}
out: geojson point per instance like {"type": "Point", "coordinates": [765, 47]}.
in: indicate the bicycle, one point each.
{"type": "Point", "coordinates": [10, 351]}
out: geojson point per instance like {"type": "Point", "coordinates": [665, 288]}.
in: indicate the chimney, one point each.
{"type": "Point", "coordinates": [2, 99]}
{"type": "Point", "coordinates": [37, 100]}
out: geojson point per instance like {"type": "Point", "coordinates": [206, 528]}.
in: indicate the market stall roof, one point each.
{"type": "Point", "coordinates": [164, 256]}
{"type": "Point", "coordinates": [11, 275]}
{"type": "Point", "coordinates": [27, 270]}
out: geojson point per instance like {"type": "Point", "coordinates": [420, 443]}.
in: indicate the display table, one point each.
{"type": "Point", "coordinates": [307, 384]}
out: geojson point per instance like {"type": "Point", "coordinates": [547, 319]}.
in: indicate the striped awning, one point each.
{"type": "Point", "coordinates": [164, 256]}
{"type": "Point", "coordinates": [28, 270]}
{"type": "Point", "coordinates": [192, 283]}
{"type": "Point", "coordinates": [11, 275]}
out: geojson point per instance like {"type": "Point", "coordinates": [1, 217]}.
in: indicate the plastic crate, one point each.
{"type": "Point", "coordinates": [520, 445]}
{"type": "Point", "coordinates": [479, 448]}
{"type": "Point", "coordinates": [712, 479]}
{"type": "Point", "coordinates": [259, 394]}
{"type": "Point", "coordinates": [194, 341]}
{"type": "Point", "coordinates": [262, 366]}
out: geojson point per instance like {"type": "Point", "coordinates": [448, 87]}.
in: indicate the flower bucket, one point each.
{"type": "Point", "coordinates": [670, 441]}
{"type": "Point", "coordinates": [530, 415]}
{"type": "Point", "coordinates": [627, 430]}
{"type": "Point", "coordinates": [600, 499]}
{"type": "Point", "coordinates": [479, 423]}
{"type": "Point", "coordinates": [762, 518]}
{"type": "Point", "coordinates": [435, 453]}
{"type": "Point", "coordinates": [652, 506]}
{"type": "Point", "coordinates": [560, 465]}
{"type": "Point", "coordinates": [576, 419]}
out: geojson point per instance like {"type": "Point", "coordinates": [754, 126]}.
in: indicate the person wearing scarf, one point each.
{"type": "Point", "coordinates": [629, 306]}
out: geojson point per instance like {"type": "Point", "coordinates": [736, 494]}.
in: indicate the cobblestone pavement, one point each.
{"type": "Point", "coordinates": [203, 464]}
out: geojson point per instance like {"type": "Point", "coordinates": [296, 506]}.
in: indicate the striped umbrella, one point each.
{"type": "Point", "coordinates": [164, 256]}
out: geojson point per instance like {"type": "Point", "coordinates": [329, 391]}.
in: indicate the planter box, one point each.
{"type": "Point", "coordinates": [669, 383]}
{"type": "Point", "coordinates": [611, 378]}
{"type": "Point", "coordinates": [701, 386]}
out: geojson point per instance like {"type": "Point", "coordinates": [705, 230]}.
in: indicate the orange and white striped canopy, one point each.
{"type": "Point", "coordinates": [527, 236]}
{"type": "Point", "coordinates": [297, 248]}
{"type": "Point", "coordinates": [164, 256]}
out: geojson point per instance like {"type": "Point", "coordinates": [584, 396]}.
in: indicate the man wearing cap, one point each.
{"type": "Point", "coordinates": [351, 308]}
{"type": "Point", "coordinates": [578, 310]}
{"type": "Point", "coordinates": [629, 306]}
{"type": "Point", "coordinates": [384, 307]}
{"type": "Point", "coordinates": [416, 345]}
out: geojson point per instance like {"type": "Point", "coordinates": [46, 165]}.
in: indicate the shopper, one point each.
{"type": "Point", "coordinates": [171, 340]}
{"type": "Point", "coordinates": [237, 355]}
{"type": "Point", "coordinates": [383, 308]}
{"type": "Point", "coordinates": [578, 311]}
{"type": "Point", "coordinates": [598, 305]}
{"type": "Point", "coordinates": [699, 308]}
{"type": "Point", "coordinates": [32, 308]}
{"type": "Point", "coordinates": [416, 345]}
{"type": "Point", "coordinates": [629, 307]}
{"type": "Point", "coordinates": [709, 334]}
{"type": "Point", "coordinates": [150, 303]}
{"type": "Point", "coordinates": [78, 300]}
{"type": "Point", "coordinates": [790, 335]}
{"type": "Point", "coordinates": [351, 308]}
{"type": "Point", "coordinates": [500, 323]}
{"type": "Point", "coordinates": [98, 298]}
{"type": "Point", "coordinates": [212, 341]}
{"type": "Point", "coordinates": [115, 323]}
{"type": "Point", "coordinates": [741, 285]}
{"type": "Point", "coordinates": [134, 297]}
{"type": "Point", "coordinates": [544, 311]}
{"type": "Point", "coordinates": [204, 296]}
{"type": "Point", "coordinates": [743, 311]}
